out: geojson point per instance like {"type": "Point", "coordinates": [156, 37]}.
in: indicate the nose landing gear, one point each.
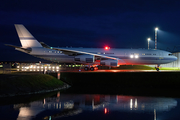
{"type": "Point", "coordinates": [157, 68]}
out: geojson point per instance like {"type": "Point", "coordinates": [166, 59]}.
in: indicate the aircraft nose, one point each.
{"type": "Point", "coordinates": [174, 58]}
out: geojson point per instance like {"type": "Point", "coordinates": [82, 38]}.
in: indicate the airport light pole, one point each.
{"type": "Point", "coordinates": [148, 42]}
{"type": "Point", "coordinates": [156, 29]}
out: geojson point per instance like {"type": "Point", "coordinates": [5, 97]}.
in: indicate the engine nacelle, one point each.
{"type": "Point", "coordinates": [113, 63]}
{"type": "Point", "coordinates": [84, 58]}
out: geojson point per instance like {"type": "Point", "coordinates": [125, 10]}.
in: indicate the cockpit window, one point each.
{"type": "Point", "coordinates": [170, 54]}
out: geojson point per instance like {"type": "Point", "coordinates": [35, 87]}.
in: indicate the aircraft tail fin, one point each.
{"type": "Point", "coordinates": [26, 39]}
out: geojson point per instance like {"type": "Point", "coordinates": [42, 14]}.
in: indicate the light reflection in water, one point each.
{"type": "Point", "coordinates": [70, 105]}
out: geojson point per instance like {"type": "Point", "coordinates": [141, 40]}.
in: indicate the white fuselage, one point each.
{"type": "Point", "coordinates": [127, 56]}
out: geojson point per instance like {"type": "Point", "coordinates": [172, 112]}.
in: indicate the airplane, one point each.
{"type": "Point", "coordinates": [91, 57]}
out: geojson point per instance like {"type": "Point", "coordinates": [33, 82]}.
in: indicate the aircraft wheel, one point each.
{"type": "Point", "coordinates": [92, 68]}
{"type": "Point", "coordinates": [86, 68]}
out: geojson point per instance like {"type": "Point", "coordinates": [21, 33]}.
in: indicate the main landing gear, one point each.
{"type": "Point", "coordinates": [86, 68]}
{"type": "Point", "coordinates": [89, 68]}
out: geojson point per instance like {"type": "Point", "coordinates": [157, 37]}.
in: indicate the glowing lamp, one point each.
{"type": "Point", "coordinates": [105, 110]}
{"type": "Point", "coordinates": [131, 56]}
{"type": "Point", "coordinates": [106, 48]}
{"type": "Point", "coordinates": [136, 56]}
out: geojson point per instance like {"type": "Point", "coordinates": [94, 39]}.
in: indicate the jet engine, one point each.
{"type": "Point", "coordinates": [113, 63]}
{"type": "Point", "coordinates": [84, 58]}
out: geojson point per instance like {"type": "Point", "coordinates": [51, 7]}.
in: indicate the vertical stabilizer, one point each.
{"type": "Point", "coordinates": [27, 40]}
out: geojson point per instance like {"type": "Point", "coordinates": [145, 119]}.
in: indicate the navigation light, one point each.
{"type": "Point", "coordinates": [106, 48]}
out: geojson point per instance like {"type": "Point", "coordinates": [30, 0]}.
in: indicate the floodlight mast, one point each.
{"type": "Point", "coordinates": [156, 29]}
{"type": "Point", "coordinates": [148, 42]}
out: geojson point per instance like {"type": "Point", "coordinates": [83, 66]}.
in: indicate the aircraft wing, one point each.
{"type": "Point", "coordinates": [71, 52]}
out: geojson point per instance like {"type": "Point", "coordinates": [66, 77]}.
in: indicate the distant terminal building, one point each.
{"type": "Point", "coordinates": [45, 67]}
{"type": "Point", "coordinates": [38, 66]}
{"type": "Point", "coordinates": [5, 67]}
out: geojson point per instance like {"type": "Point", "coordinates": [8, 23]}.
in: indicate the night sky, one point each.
{"type": "Point", "coordinates": [89, 23]}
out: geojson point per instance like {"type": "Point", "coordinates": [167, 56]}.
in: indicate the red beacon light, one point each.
{"type": "Point", "coordinates": [106, 48]}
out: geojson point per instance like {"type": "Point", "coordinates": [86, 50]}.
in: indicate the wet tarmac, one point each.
{"type": "Point", "coordinates": [120, 71]}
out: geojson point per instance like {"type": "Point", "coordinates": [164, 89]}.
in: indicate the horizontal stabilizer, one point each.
{"type": "Point", "coordinates": [28, 50]}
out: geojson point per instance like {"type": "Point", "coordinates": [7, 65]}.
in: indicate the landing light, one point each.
{"type": "Point", "coordinates": [131, 56]}
{"type": "Point", "coordinates": [136, 56]}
